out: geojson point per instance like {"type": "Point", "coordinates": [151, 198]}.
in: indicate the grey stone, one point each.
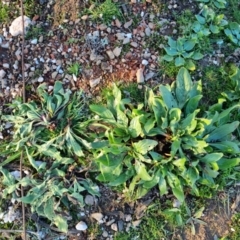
{"type": "Point", "coordinates": [34, 41]}
{"type": "Point", "coordinates": [54, 75]}
{"type": "Point", "coordinates": [114, 227]}
{"type": "Point", "coordinates": [6, 65]}
{"type": "Point", "coordinates": [40, 79]}
{"type": "Point", "coordinates": [89, 200]}
{"type": "Point", "coordinates": [126, 40]}
{"type": "Point", "coordinates": [81, 226]}
{"type": "Point", "coordinates": [120, 225]}
{"type": "Point", "coordinates": [110, 54]}
{"type": "Point", "coordinates": [128, 24]}
{"type": "Point", "coordinates": [2, 73]}
{"type": "Point", "coordinates": [134, 44]}
{"type": "Point", "coordinates": [117, 51]}
{"type": "Point", "coordinates": [140, 77]}
{"type": "Point", "coordinates": [144, 62]}
{"type": "Point", "coordinates": [147, 31]}
{"type": "Point", "coordinates": [40, 39]}
{"type": "Point", "coordinates": [98, 217]}
{"type": "Point", "coordinates": [105, 234]}
{"type": "Point", "coordinates": [16, 26]}
{"type": "Point", "coordinates": [120, 36]}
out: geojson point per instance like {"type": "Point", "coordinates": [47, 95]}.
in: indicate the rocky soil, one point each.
{"type": "Point", "coordinates": [124, 50]}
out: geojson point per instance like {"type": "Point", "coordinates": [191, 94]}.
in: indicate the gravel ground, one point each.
{"type": "Point", "coordinates": [119, 51]}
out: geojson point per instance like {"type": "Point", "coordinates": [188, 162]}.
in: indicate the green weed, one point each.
{"type": "Point", "coordinates": [75, 69]}
{"type": "Point", "coordinates": [106, 11]}
{"type": "Point", "coordinates": [234, 10]}
{"type": "Point", "coordinates": [168, 69]}
{"type": "Point", "coordinates": [160, 134]}
{"type": "Point", "coordinates": [35, 32]}
{"type": "Point", "coordinates": [32, 7]}
{"type": "Point", "coordinates": [4, 12]}
{"type": "Point", "coordinates": [235, 230]}
{"type": "Point", "coordinates": [215, 81]}
{"type": "Point", "coordinates": [153, 226]}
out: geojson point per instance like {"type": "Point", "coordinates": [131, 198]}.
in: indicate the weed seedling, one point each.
{"type": "Point", "coordinates": [106, 11]}
{"type": "Point", "coordinates": [75, 69]}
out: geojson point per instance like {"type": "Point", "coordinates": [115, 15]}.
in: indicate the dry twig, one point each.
{"type": "Point", "coordinates": [24, 100]}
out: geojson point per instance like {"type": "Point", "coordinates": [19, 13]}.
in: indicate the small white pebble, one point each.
{"type": "Point", "coordinates": [34, 41]}
{"type": "Point", "coordinates": [144, 62]}
{"type": "Point", "coordinates": [40, 79]}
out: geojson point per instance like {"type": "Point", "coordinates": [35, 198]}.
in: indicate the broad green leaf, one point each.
{"type": "Point", "coordinates": [123, 178]}
{"type": "Point", "coordinates": [140, 191]}
{"type": "Point", "coordinates": [145, 145]}
{"type": "Point", "coordinates": [33, 115]}
{"type": "Point", "coordinates": [58, 88]}
{"type": "Point", "coordinates": [214, 29]}
{"type": "Point", "coordinates": [189, 45]}
{"type": "Point", "coordinates": [175, 114]}
{"type": "Point", "coordinates": [8, 179]}
{"type": "Point", "coordinates": [156, 131]}
{"type": "Point", "coordinates": [192, 175]}
{"type": "Point", "coordinates": [50, 105]}
{"type": "Point", "coordinates": [109, 174]}
{"type": "Point", "coordinates": [211, 157]}
{"type": "Point", "coordinates": [175, 147]}
{"type": "Point", "coordinates": [180, 163]}
{"type": "Point", "coordinates": [226, 163]}
{"type": "Point", "coordinates": [73, 144]}
{"type": "Point", "coordinates": [59, 102]}
{"type": "Point", "coordinates": [180, 44]}
{"type": "Point", "coordinates": [197, 56]}
{"type": "Point", "coordinates": [49, 209]}
{"type": "Point", "coordinates": [57, 190]}
{"type": "Point", "coordinates": [30, 198]}
{"type": "Point", "coordinates": [162, 185]}
{"type": "Point", "coordinates": [58, 173]}
{"type": "Point", "coordinates": [153, 182]}
{"type": "Point", "coordinates": [222, 131]}
{"type": "Point", "coordinates": [149, 124]}
{"type": "Point", "coordinates": [178, 193]}
{"type": "Point", "coordinates": [190, 65]}
{"type": "Point", "coordinates": [160, 112]}
{"type": "Point", "coordinates": [179, 61]}
{"type": "Point", "coordinates": [61, 223]}
{"type": "Point", "coordinates": [223, 114]}
{"type": "Point", "coordinates": [168, 97]}
{"type": "Point", "coordinates": [77, 187]}
{"type": "Point", "coordinates": [183, 86]}
{"type": "Point", "coordinates": [167, 58]}
{"type": "Point", "coordinates": [210, 173]}
{"type": "Point", "coordinates": [187, 55]}
{"type": "Point", "coordinates": [171, 51]}
{"type": "Point", "coordinates": [31, 160]}
{"type": "Point", "coordinates": [141, 171]}
{"type": "Point", "coordinates": [200, 19]}
{"type": "Point", "coordinates": [135, 127]}
{"type": "Point", "coordinates": [172, 43]}
{"type": "Point", "coordinates": [122, 119]}
{"type": "Point", "coordinates": [103, 112]}
{"type": "Point", "coordinates": [110, 159]}
{"type": "Point", "coordinates": [192, 104]}
{"type": "Point", "coordinates": [196, 27]}
{"type": "Point", "coordinates": [156, 156]}
{"type": "Point", "coordinates": [189, 123]}
{"type": "Point", "coordinates": [227, 147]}
{"type": "Point", "coordinates": [78, 197]}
